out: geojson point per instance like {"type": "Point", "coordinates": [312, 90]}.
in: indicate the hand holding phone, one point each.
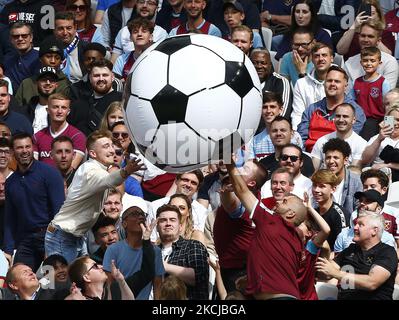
{"type": "Point", "coordinates": [366, 7]}
{"type": "Point", "coordinates": [388, 120]}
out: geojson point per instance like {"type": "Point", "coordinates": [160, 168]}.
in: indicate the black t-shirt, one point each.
{"type": "Point", "coordinates": [361, 261]}
{"type": "Point", "coordinates": [336, 220]}
{"type": "Point", "coordinates": [270, 164]}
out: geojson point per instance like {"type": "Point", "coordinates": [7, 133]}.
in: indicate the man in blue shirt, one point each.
{"type": "Point", "coordinates": [15, 121]}
{"type": "Point", "coordinates": [34, 194]}
{"type": "Point", "coordinates": [26, 63]}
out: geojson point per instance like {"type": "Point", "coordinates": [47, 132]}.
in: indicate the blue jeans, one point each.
{"type": "Point", "coordinates": [65, 244]}
{"type": "Point", "coordinates": [30, 250]}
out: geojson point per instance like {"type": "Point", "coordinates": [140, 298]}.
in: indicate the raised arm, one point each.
{"type": "Point", "coordinates": [322, 235]}
{"type": "Point", "coordinates": [241, 190]}
{"type": "Point", "coordinates": [371, 151]}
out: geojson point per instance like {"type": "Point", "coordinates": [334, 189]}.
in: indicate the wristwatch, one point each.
{"type": "Point", "coordinates": [302, 75]}
{"type": "Point", "coordinates": [269, 18]}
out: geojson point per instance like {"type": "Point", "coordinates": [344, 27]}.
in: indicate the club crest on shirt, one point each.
{"type": "Point", "coordinates": [375, 92]}
{"type": "Point", "coordinates": [287, 2]}
{"type": "Point", "coordinates": [369, 260]}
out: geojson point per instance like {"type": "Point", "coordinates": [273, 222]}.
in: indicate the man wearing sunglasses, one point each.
{"type": "Point", "coordinates": [291, 159]}
{"type": "Point", "coordinates": [26, 62]}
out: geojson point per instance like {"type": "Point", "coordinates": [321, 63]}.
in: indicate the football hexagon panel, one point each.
{"type": "Point", "coordinates": [177, 145]}
{"type": "Point", "coordinates": [173, 44]}
{"type": "Point", "coordinates": [170, 105]}
{"type": "Point", "coordinates": [141, 120]}
{"type": "Point", "coordinates": [224, 48]}
{"type": "Point", "coordinates": [154, 70]}
{"type": "Point", "coordinates": [238, 78]}
{"type": "Point", "coordinates": [203, 69]}
{"type": "Point", "coordinates": [252, 72]}
{"type": "Point", "coordinates": [251, 113]}
{"type": "Point", "coordinates": [206, 109]}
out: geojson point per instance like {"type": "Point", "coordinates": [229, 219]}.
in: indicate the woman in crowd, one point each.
{"type": "Point", "coordinates": [303, 15]}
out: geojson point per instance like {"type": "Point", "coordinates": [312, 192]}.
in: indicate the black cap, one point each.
{"type": "Point", "coordinates": [371, 195]}
{"type": "Point", "coordinates": [51, 45]}
{"type": "Point", "coordinates": [233, 3]}
{"type": "Point", "coordinates": [45, 71]}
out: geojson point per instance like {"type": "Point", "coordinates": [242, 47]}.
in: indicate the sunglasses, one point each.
{"type": "Point", "coordinates": [285, 157]}
{"type": "Point", "coordinates": [118, 152]}
{"type": "Point", "coordinates": [94, 266]}
{"type": "Point", "coordinates": [74, 7]}
{"type": "Point", "coordinates": [23, 36]}
{"type": "Point", "coordinates": [116, 135]}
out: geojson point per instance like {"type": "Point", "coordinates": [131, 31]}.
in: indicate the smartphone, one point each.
{"type": "Point", "coordinates": [366, 8]}
{"type": "Point", "coordinates": [388, 120]}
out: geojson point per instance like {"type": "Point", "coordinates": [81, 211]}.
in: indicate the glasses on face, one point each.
{"type": "Point", "coordinates": [118, 152]}
{"type": "Point", "coordinates": [22, 35]}
{"type": "Point", "coordinates": [303, 45]}
{"type": "Point", "coordinates": [94, 266]}
{"type": "Point", "coordinates": [116, 135]}
{"type": "Point", "coordinates": [6, 152]}
{"type": "Point", "coordinates": [74, 7]}
{"type": "Point", "coordinates": [149, 2]}
{"type": "Point", "coordinates": [285, 157]}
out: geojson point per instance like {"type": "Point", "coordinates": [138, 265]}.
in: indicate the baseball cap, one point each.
{"type": "Point", "coordinates": [51, 45]}
{"type": "Point", "coordinates": [234, 3]}
{"type": "Point", "coordinates": [371, 195]}
{"type": "Point", "coordinates": [45, 71]}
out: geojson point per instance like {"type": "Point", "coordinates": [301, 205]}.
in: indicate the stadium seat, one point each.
{"type": "Point", "coordinates": [326, 291]}
{"type": "Point", "coordinates": [267, 36]}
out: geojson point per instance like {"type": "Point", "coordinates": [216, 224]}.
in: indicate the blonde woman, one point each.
{"type": "Point", "coordinates": [113, 114]}
{"type": "Point", "coordinates": [183, 203]}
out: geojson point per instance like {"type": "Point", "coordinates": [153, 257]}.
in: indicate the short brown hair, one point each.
{"type": "Point", "coordinates": [283, 170]}
{"type": "Point", "coordinates": [4, 83]}
{"type": "Point", "coordinates": [169, 207]}
{"type": "Point", "coordinates": [94, 136]}
{"type": "Point", "coordinates": [370, 51]}
{"type": "Point", "coordinates": [320, 45]}
{"type": "Point", "coordinates": [325, 176]}
{"type": "Point", "coordinates": [10, 276]}
{"type": "Point", "coordinates": [140, 22]}
{"type": "Point", "coordinates": [101, 63]}
{"type": "Point", "coordinates": [382, 178]}
{"type": "Point", "coordinates": [76, 270]}
{"type": "Point", "coordinates": [339, 69]}
{"type": "Point", "coordinates": [243, 28]}
{"type": "Point", "coordinates": [198, 173]}
{"type": "Point", "coordinates": [270, 96]}
{"type": "Point", "coordinates": [172, 288]}
{"type": "Point", "coordinates": [374, 24]}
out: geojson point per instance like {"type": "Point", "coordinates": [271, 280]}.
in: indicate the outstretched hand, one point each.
{"type": "Point", "coordinates": [115, 272]}
{"type": "Point", "coordinates": [306, 200]}
{"type": "Point", "coordinates": [134, 165]}
{"type": "Point", "coordinates": [147, 230]}
{"type": "Point", "coordinates": [75, 293]}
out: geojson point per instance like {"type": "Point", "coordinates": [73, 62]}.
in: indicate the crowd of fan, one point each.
{"type": "Point", "coordinates": [308, 203]}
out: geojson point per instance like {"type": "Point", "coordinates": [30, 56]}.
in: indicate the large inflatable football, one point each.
{"type": "Point", "coordinates": [191, 100]}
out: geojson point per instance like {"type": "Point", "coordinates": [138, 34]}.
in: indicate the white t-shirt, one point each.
{"type": "Point", "coordinates": [384, 143]}
{"type": "Point", "coordinates": [356, 142]}
{"type": "Point", "coordinates": [40, 121]}
{"type": "Point", "coordinates": [338, 192]}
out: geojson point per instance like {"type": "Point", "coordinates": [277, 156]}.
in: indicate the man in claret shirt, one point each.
{"type": "Point", "coordinates": [276, 248]}
{"type": "Point", "coordinates": [233, 231]}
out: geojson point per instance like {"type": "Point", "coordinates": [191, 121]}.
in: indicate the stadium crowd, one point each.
{"type": "Point", "coordinates": [308, 209]}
